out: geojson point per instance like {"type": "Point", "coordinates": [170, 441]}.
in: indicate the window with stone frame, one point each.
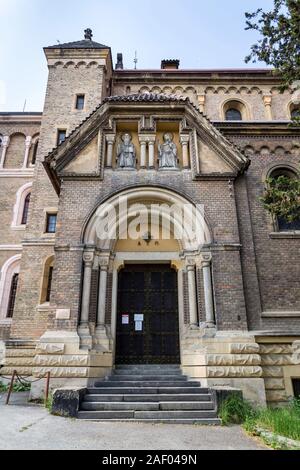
{"type": "Point", "coordinates": [12, 295]}
{"type": "Point", "coordinates": [80, 102]}
{"type": "Point", "coordinates": [235, 110]}
{"type": "Point", "coordinates": [26, 209]}
{"type": "Point", "coordinates": [281, 223]}
{"type": "Point", "coordinates": [61, 136]}
{"type": "Point", "coordinates": [47, 280]}
{"type": "Point", "coordinates": [51, 220]}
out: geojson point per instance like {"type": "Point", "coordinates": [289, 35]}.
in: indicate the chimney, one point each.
{"type": "Point", "coordinates": [170, 64]}
{"type": "Point", "coordinates": [119, 64]}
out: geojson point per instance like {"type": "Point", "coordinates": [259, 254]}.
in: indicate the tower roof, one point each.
{"type": "Point", "coordinates": [83, 44]}
{"type": "Point", "coordinates": [86, 43]}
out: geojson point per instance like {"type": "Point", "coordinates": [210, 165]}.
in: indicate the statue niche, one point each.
{"type": "Point", "coordinates": [167, 152]}
{"type": "Point", "coordinates": [126, 153]}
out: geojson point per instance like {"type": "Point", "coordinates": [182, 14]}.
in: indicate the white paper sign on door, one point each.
{"type": "Point", "coordinates": [138, 326]}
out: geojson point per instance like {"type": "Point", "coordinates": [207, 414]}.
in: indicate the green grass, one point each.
{"type": "Point", "coordinates": [235, 410]}
{"type": "Point", "coordinates": [283, 421]}
{"type": "Point", "coordinates": [3, 388]}
{"type": "Point", "coordinates": [16, 388]}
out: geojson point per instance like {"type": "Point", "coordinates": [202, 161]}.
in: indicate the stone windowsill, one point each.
{"type": "Point", "coordinates": [18, 227]}
{"type": "Point", "coordinates": [5, 322]}
{"type": "Point", "coordinates": [44, 307]}
{"type": "Point", "coordinates": [281, 314]}
{"type": "Point", "coordinates": [289, 234]}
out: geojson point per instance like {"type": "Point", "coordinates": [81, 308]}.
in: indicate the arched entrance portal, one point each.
{"type": "Point", "coordinates": [146, 286]}
{"type": "Point", "coordinates": [147, 315]}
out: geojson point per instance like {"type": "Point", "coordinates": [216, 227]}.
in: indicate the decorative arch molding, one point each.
{"type": "Point", "coordinates": [235, 103]}
{"type": "Point", "coordinates": [21, 195]}
{"type": "Point", "coordinates": [10, 267]}
{"type": "Point", "coordinates": [166, 198]}
{"type": "Point", "coordinates": [279, 164]}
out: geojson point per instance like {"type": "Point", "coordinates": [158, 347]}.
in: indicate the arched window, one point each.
{"type": "Point", "coordinates": [26, 209]}
{"type": "Point", "coordinates": [282, 223]}
{"type": "Point", "coordinates": [8, 287]}
{"type": "Point", "coordinates": [21, 207]}
{"type": "Point", "coordinates": [235, 110]}
{"type": "Point", "coordinates": [47, 280]}
{"type": "Point", "coordinates": [12, 296]}
{"type": "Point", "coordinates": [233, 115]}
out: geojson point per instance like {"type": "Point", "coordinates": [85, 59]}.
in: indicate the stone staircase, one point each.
{"type": "Point", "coordinates": [149, 393]}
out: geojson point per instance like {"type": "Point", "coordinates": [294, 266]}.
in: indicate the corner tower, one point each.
{"type": "Point", "coordinates": [79, 79]}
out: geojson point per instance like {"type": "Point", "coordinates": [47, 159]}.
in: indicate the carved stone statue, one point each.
{"type": "Point", "coordinates": [167, 152]}
{"type": "Point", "coordinates": [126, 152]}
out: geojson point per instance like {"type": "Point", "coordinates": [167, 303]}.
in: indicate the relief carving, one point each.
{"type": "Point", "coordinates": [57, 372]}
{"type": "Point", "coordinates": [234, 359]}
{"type": "Point", "coordinates": [244, 348]}
{"type": "Point", "coordinates": [62, 361]}
{"type": "Point", "coordinates": [276, 348]}
{"type": "Point", "coordinates": [48, 348]}
{"type": "Point", "coordinates": [251, 371]}
{"type": "Point", "coordinates": [272, 371]}
{"type": "Point", "coordinates": [276, 360]}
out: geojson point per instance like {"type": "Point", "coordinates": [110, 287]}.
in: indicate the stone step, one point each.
{"type": "Point", "coordinates": [147, 377]}
{"type": "Point", "coordinates": [146, 383]}
{"type": "Point", "coordinates": [199, 422]}
{"type": "Point", "coordinates": [147, 372]}
{"type": "Point", "coordinates": [146, 390]}
{"type": "Point", "coordinates": [150, 415]}
{"type": "Point", "coordinates": [147, 366]}
{"type": "Point", "coordinates": [145, 406]}
{"type": "Point", "coordinates": [148, 398]}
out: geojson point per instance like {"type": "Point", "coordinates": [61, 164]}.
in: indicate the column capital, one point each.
{"type": "Point", "coordinates": [104, 262]}
{"type": "Point", "coordinates": [184, 139]}
{"type": "Point", "coordinates": [267, 99]}
{"type": "Point", "coordinates": [205, 259]}
{"type": "Point", "coordinates": [110, 138]}
{"type": "Point", "coordinates": [5, 140]}
{"type": "Point", "coordinates": [88, 256]}
{"type": "Point", "coordinates": [190, 263]}
{"type": "Point", "coordinates": [28, 141]}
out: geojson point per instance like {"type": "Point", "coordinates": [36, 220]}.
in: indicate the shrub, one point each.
{"type": "Point", "coordinates": [235, 410]}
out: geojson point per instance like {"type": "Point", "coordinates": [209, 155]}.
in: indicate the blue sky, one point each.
{"type": "Point", "coordinates": [201, 33]}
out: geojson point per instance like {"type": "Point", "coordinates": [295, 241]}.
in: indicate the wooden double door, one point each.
{"type": "Point", "coordinates": [147, 315]}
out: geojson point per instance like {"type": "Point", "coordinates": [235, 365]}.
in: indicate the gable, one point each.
{"type": "Point", "coordinates": [86, 161]}
{"type": "Point", "coordinates": [210, 162]}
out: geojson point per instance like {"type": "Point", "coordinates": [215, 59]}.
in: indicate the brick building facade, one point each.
{"type": "Point", "coordinates": [238, 293]}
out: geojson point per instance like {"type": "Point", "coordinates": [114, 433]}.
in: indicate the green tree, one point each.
{"type": "Point", "coordinates": [282, 197]}
{"type": "Point", "coordinates": [279, 45]}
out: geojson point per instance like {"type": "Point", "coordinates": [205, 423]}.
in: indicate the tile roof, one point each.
{"type": "Point", "coordinates": [147, 97]}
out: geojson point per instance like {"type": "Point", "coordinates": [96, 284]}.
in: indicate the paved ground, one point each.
{"type": "Point", "coordinates": [26, 426]}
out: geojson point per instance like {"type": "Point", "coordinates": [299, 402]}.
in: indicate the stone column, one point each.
{"type": "Point", "coordinates": [5, 144]}
{"type": "Point", "coordinates": [151, 153]}
{"type": "Point", "coordinates": [184, 139]}
{"type": "Point", "coordinates": [102, 295]}
{"type": "Point", "coordinates": [208, 291]}
{"type": "Point", "coordinates": [27, 150]}
{"type": "Point", "coordinates": [201, 102]}
{"type": "Point", "coordinates": [143, 143]}
{"type": "Point", "coordinates": [268, 106]}
{"type": "Point", "coordinates": [191, 274]}
{"type": "Point", "coordinates": [101, 339]}
{"type": "Point", "coordinates": [110, 140]}
{"type": "Point", "coordinates": [84, 330]}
